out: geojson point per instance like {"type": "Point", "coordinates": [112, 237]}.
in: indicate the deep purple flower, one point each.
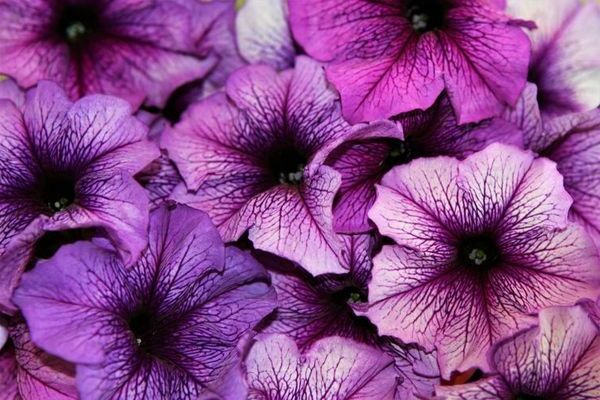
{"type": "Point", "coordinates": [135, 49]}
{"type": "Point", "coordinates": [333, 368]}
{"type": "Point", "coordinates": [31, 373]}
{"type": "Point", "coordinates": [67, 167]}
{"type": "Point", "coordinates": [480, 244]}
{"type": "Point", "coordinates": [311, 308]}
{"type": "Point", "coordinates": [565, 61]}
{"type": "Point", "coordinates": [253, 158]}
{"type": "Point", "coordinates": [362, 162]}
{"type": "Point", "coordinates": [558, 359]}
{"type": "Point", "coordinates": [389, 57]}
{"type": "Point", "coordinates": [263, 33]}
{"type": "Point", "coordinates": [166, 328]}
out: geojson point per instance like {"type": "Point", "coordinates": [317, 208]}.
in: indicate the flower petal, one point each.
{"type": "Point", "coordinates": [565, 64]}
{"type": "Point", "coordinates": [263, 34]}
{"type": "Point", "coordinates": [332, 368]}
{"type": "Point", "coordinates": [557, 358]}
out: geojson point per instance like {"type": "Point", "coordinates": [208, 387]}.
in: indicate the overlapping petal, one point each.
{"type": "Point", "coordinates": [263, 33]}
{"type": "Point", "coordinates": [363, 161]}
{"type": "Point", "coordinates": [556, 359]}
{"type": "Point", "coordinates": [565, 63]}
{"type": "Point", "coordinates": [333, 368]}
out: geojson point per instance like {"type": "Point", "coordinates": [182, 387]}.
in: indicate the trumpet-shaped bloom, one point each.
{"type": "Point", "coordinates": [480, 245]}
{"type": "Point", "coordinates": [363, 161]}
{"type": "Point", "coordinates": [558, 359]}
{"type": "Point", "coordinates": [252, 158]}
{"type": "Point", "coordinates": [333, 368]}
{"type": "Point", "coordinates": [565, 61]}
{"type": "Point", "coordinates": [167, 328]}
{"type": "Point", "coordinates": [390, 57]}
{"type": "Point", "coordinates": [64, 167]}
{"type": "Point", "coordinates": [133, 49]}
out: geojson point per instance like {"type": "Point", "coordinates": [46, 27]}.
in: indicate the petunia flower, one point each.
{"type": "Point", "coordinates": [333, 368]}
{"type": "Point", "coordinates": [362, 162]}
{"type": "Point", "coordinates": [253, 159]}
{"type": "Point", "coordinates": [30, 373]}
{"type": "Point", "coordinates": [390, 57]}
{"type": "Point", "coordinates": [166, 328]}
{"type": "Point", "coordinates": [480, 245]}
{"type": "Point", "coordinates": [133, 49]}
{"type": "Point", "coordinates": [311, 308]}
{"type": "Point", "coordinates": [558, 359]}
{"type": "Point", "coordinates": [67, 167]}
{"type": "Point", "coordinates": [263, 33]}
{"type": "Point", "coordinates": [565, 61]}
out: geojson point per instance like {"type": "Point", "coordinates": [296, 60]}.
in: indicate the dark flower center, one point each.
{"type": "Point", "coordinates": [426, 15]}
{"type": "Point", "coordinates": [57, 192]}
{"type": "Point", "coordinates": [480, 252]}
{"type": "Point", "coordinates": [76, 22]}
{"type": "Point", "coordinates": [525, 396]}
{"type": "Point", "coordinates": [287, 165]}
{"type": "Point", "coordinates": [349, 295]}
{"type": "Point", "coordinates": [400, 152]}
{"type": "Point", "coordinates": [142, 325]}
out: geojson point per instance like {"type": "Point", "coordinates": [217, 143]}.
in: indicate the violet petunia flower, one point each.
{"type": "Point", "coordinates": [31, 373]}
{"type": "Point", "coordinates": [480, 245]}
{"type": "Point", "coordinates": [390, 57]}
{"type": "Point", "coordinates": [362, 162]}
{"type": "Point", "coordinates": [311, 308]}
{"type": "Point", "coordinates": [565, 61]}
{"type": "Point", "coordinates": [263, 33]}
{"type": "Point", "coordinates": [135, 49]}
{"type": "Point", "coordinates": [167, 328]}
{"type": "Point", "coordinates": [67, 167]}
{"type": "Point", "coordinates": [333, 368]}
{"type": "Point", "coordinates": [252, 158]}
{"type": "Point", "coordinates": [558, 359]}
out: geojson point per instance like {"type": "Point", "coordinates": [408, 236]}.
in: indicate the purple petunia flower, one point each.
{"type": "Point", "coordinates": [558, 359]}
{"type": "Point", "coordinates": [135, 49]}
{"type": "Point", "coordinates": [390, 57]}
{"type": "Point", "coordinates": [168, 327]}
{"type": "Point", "coordinates": [333, 368]}
{"type": "Point", "coordinates": [254, 158]}
{"type": "Point", "coordinates": [481, 244]}
{"type": "Point", "coordinates": [67, 167]}
{"type": "Point", "coordinates": [26, 372]}
{"type": "Point", "coordinates": [263, 33]}
{"type": "Point", "coordinates": [565, 61]}
{"type": "Point", "coordinates": [362, 162]}
{"type": "Point", "coordinates": [311, 308]}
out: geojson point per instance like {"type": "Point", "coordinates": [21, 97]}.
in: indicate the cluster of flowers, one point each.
{"type": "Point", "coordinates": [299, 199]}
